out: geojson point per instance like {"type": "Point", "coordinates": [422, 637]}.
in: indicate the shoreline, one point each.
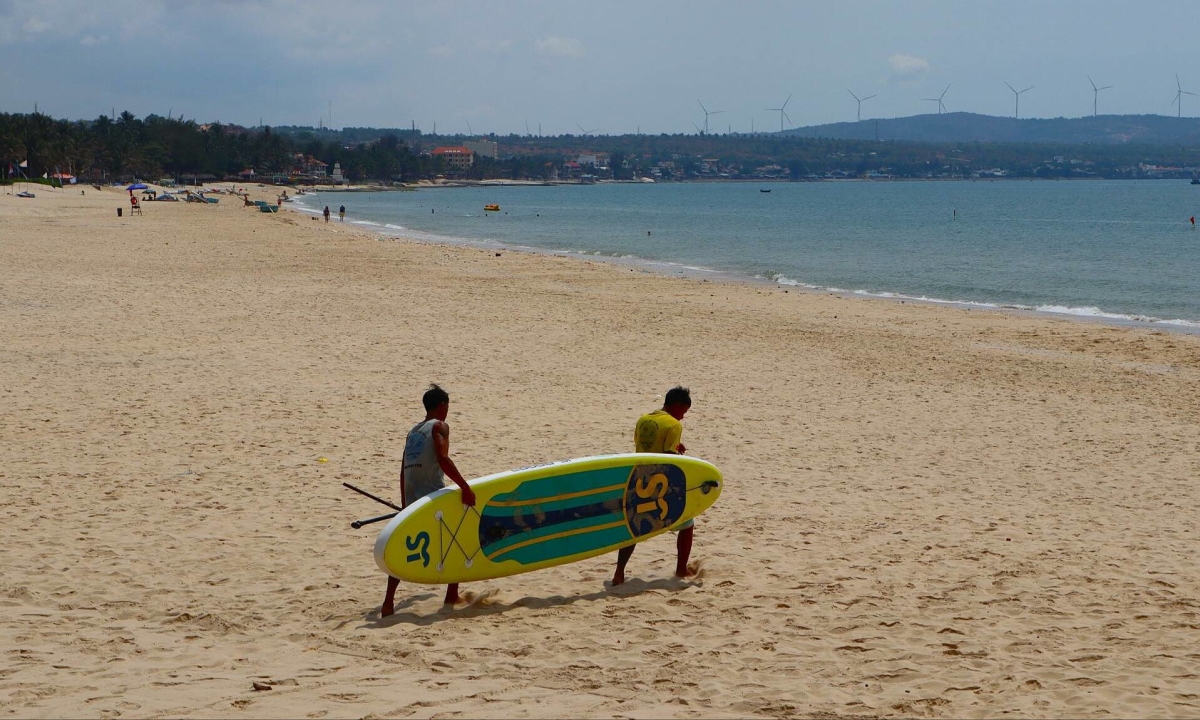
{"type": "Point", "coordinates": [679, 269]}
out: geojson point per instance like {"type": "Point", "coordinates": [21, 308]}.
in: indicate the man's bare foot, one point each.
{"type": "Point", "coordinates": [618, 578]}
{"type": "Point", "coordinates": [692, 569]}
{"type": "Point", "coordinates": [452, 597]}
{"type": "Point", "coordinates": [387, 609]}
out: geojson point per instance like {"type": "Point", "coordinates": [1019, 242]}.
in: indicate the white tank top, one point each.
{"type": "Point", "coordinates": [422, 473]}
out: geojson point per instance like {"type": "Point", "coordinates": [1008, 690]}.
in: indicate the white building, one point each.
{"type": "Point", "coordinates": [483, 148]}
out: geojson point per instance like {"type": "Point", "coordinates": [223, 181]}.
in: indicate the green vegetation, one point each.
{"type": "Point", "coordinates": [155, 147]}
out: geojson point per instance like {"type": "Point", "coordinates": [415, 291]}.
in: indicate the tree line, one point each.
{"type": "Point", "coordinates": [128, 147]}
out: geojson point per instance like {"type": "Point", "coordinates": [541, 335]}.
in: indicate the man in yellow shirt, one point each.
{"type": "Point", "coordinates": [661, 432]}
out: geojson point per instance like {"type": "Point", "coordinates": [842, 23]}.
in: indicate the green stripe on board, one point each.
{"type": "Point", "coordinates": [614, 495]}
{"type": "Point", "coordinates": [541, 534]}
{"type": "Point", "coordinates": [566, 546]}
{"type": "Point", "coordinates": [550, 488]}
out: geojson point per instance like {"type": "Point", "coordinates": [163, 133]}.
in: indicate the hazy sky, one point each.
{"type": "Point", "coordinates": [611, 67]}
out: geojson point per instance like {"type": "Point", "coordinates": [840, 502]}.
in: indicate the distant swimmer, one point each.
{"type": "Point", "coordinates": [423, 468]}
{"type": "Point", "coordinates": [1193, 219]}
{"type": "Point", "coordinates": [661, 432]}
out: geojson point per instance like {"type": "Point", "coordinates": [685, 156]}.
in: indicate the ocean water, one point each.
{"type": "Point", "coordinates": [1119, 250]}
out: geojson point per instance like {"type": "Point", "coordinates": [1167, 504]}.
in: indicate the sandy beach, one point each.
{"type": "Point", "coordinates": [928, 511]}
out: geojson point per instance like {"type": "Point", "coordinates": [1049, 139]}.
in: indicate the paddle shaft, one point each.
{"type": "Point", "coordinates": [373, 497]}
{"type": "Point", "coordinates": [359, 523]}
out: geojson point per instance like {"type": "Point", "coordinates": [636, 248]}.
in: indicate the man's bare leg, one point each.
{"type": "Point", "coordinates": [452, 594]}
{"type": "Point", "coordinates": [623, 556]}
{"type": "Point", "coordinates": [683, 546]}
{"type": "Point", "coordinates": [389, 600]}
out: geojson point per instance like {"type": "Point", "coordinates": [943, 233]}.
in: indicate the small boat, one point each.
{"type": "Point", "coordinates": [492, 208]}
{"type": "Point", "coordinates": [764, 190]}
{"type": "Point", "coordinates": [1196, 181]}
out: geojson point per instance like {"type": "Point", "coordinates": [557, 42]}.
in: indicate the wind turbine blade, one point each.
{"type": "Point", "coordinates": [716, 112]}
{"type": "Point", "coordinates": [704, 109]}
{"type": "Point", "coordinates": [789, 119]}
{"type": "Point", "coordinates": [944, 92]}
{"type": "Point", "coordinates": [868, 97]}
{"type": "Point", "coordinates": [1010, 87]}
{"type": "Point", "coordinates": [852, 94]}
{"type": "Point", "coordinates": [1185, 92]}
{"type": "Point", "coordinates": [698, 130]}
{"type": "Point", "coordinates": [1177, 85]}
{"type": "Point", "coordinates": [1089, 77]}
{"type": "Point", "coordinates": [1027, 89]}
{"type": "Point", "coordinates": [785, 102]}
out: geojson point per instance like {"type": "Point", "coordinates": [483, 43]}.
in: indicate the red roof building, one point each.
{"type": "Point", "coordinates": [455, 157]}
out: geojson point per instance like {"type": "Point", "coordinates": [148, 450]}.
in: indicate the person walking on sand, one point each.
{"type": "Point", "coordinates": [661, 432]}
{"type": "Point", "coordinates": [326, 213]}
{"type": "Point", "coordinates": [342, 213]}
{"type": "Point", "coordinates": [423, 468]}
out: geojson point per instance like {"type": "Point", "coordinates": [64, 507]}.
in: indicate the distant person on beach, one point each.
{"type": "Point", "coordinates": [661, 432]}
{"type": "Point", "coordinates": [423, 469]}
{"type": "Point", "coordinates": [342, 213]}
{"type": "Point", "coordinates": [326, 213]}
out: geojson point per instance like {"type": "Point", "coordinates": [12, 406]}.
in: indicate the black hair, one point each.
{"type": "Point", "coordinates": [678, 395]}
{"type": "Point", "coordinates": [433, 397]}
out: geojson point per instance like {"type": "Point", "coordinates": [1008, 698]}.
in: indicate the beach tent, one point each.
{"type": "Point", "coordinates": [137, 186]}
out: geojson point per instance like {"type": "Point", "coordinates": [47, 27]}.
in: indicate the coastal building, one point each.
{"type": "Point", "coordinates": [336, 177]}
{"type": "Point", "coordinates": [455, 157]}
{"type": "Point", "coordinates": [483, 148]}
{"type": "Point", "coordinates": [308, 169]}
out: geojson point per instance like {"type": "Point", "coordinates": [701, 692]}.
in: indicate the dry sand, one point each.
{"type": "Point", "coordinates": [928, 512]}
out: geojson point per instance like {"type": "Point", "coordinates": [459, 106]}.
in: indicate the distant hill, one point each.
{"type": "Point", "coordinates": [971, 127]}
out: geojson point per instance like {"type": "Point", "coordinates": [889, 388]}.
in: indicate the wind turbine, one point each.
{"type": "Point", "coordinates": [782, 110]}
{"type": "Point", "coordinates": [858, 117]}
{"type": "Point", "coordinates": [938, 100]}
{"type": "Point", "coordinates": [1179, 93]}
{"type": "Point", "coordinates": [706, 114]}
{"type": "Point", "coordinates": [1096, 94]}
{"type": "Point", "coordinates": [585, 132]}
{"type": "Point", "coordinates": [1017, 99]}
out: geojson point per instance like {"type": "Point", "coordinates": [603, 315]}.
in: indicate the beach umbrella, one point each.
{"type": "Point", "coordinates": [137, 186]}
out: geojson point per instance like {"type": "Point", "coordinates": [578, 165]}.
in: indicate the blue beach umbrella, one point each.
{"type": "Point", "coordinates": [137, 186]}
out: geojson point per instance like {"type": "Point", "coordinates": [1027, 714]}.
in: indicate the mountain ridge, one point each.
{"type": "Point", "coordinates": [972, 127]}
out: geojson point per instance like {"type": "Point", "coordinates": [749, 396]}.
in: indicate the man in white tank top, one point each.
{"type": "Point", "coordinates": [423, 468]}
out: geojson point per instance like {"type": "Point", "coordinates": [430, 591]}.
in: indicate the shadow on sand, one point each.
{"type": "Point", "coordinates": [485, 603]}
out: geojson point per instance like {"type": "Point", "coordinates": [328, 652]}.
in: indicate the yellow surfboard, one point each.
{"type": "Point", "coordinates": [546, 515]}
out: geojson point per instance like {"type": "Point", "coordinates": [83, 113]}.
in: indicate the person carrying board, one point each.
{"type": "Point", "coordinates": [661, 432]}
{"type": "Point", "coordinates": [423, 469]}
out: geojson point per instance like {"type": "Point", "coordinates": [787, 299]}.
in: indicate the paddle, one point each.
{"type": "Point", "coordinates": [359, 523]}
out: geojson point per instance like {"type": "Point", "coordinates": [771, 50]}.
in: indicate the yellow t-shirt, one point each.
{"type": "Point", "coordinates": [657, 432]}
